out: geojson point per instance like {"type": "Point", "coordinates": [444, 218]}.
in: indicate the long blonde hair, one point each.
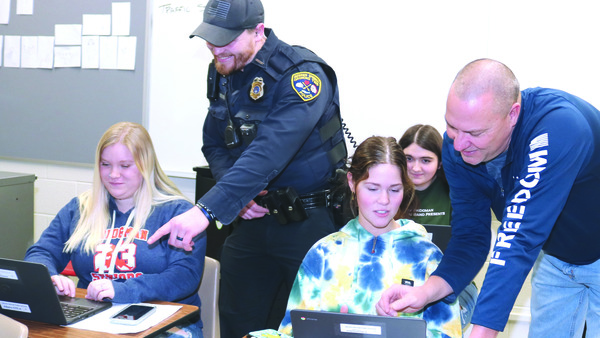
{"type": "Point", "coordinates": [156, 188]}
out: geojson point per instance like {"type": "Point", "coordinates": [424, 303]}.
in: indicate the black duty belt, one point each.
{"type": "Point", "coordinates": [316, 200]}
{"type": "Point", "coordinates": [287, 206]}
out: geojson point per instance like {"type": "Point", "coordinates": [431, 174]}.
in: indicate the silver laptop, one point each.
{"type": "Point", "coordinates": [440, 234]}
{"type": "Point", "coordinates": [27, 292]}
{"type": "Point", "coordinates": [321, 324]}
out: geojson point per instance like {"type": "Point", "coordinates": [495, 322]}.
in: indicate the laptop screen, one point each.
{"type": "Point", "coordinates": [322, 324]}
{"type": "Point", "coordinates": [439, 234]}
{"type": "Point", "coordinates": [27, 292]}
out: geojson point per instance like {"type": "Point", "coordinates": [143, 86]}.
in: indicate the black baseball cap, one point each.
{"type": "Point", "coordinates": [225, 20]}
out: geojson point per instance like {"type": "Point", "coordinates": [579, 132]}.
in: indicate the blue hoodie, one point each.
{"type": "Point", "coordinates": [141, 272]}
{"type": "Point", "coordinates": [547, 200]}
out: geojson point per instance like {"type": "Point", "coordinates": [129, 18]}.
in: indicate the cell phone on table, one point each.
{"type": "Point", "coordinates": [133, 314]}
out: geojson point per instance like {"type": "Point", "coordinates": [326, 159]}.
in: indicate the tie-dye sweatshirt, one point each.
{"type": "Point", "coordinates": [352, 267]}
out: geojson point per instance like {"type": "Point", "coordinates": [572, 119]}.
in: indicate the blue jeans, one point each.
{"type": "Point", "coordinates": [563, 298]}
{"type": "Point", "coordinates": [467, 300]}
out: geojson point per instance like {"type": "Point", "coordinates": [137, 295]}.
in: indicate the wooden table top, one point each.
{"type": "Point", "coordinates": [38, 329]}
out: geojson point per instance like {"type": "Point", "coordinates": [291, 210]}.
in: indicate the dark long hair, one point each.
{"type": "Point", "coordinates": [426, 137]}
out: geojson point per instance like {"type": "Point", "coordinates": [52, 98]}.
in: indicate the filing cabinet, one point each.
{"type": "Point", "coordinates": [16, 214]}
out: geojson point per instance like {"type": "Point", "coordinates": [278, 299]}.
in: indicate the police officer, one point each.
{"type": "Point", "coordinates": [273, 141]}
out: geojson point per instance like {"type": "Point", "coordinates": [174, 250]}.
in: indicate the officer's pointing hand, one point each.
{"type": "Point", "coordinates": [182, 229]}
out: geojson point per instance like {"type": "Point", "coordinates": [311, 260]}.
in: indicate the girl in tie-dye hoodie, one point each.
{"type": "Point", "coordinates": [348, 270]}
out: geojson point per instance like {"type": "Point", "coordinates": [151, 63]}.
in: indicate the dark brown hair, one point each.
{"type": "Point", "coordinates": [380, 150]}
{"type": "Point", "coordinates": [428, 138]}
{"type": "Point", "coordinates": [425, 136]}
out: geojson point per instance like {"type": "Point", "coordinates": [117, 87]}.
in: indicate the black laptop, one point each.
{"type": "Point", "coordinates": [440, 234]}
{"type": "Point", "coordinates": [27, 292]}
{"type": "Point", "coordinates": [321, 324]}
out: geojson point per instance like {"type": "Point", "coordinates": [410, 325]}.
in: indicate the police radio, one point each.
{"type": "Point", "coordinates": [235, 136]}
{"type": "Point", "coordinates": [232, 134]}
{"type": "Point", "coordinates": [212, 82]}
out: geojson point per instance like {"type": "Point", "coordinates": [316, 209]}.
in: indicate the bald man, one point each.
{"type": "Point", "coordinates": [533, 158]}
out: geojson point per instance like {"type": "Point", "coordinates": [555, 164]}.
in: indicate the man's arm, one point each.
{"type": "Point", "coordinates": [470, 194]}
{"type": "Point", "coordinates": [535, 197]}
{"type": "Point", "coordinates": [482, 332]}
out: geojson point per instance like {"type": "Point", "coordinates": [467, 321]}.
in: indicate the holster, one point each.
{"type": "Point", "coordinates": [285, 205]}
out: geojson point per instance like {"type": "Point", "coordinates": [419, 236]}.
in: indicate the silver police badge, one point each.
{"type": "Point", "coordinates": [257, 89]}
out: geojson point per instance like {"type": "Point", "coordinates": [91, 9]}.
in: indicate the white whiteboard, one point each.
{"type": "Point", "coordinates": [395, 60]}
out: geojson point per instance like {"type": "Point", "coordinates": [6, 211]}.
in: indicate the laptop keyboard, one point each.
{"type": "Point", "coordinates": [72, 311]}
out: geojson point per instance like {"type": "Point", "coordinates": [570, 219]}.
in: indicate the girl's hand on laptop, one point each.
{"type": "Point", "coordinates": [100, 289]}
{"type": "Point", "coordinates": [64, 285]}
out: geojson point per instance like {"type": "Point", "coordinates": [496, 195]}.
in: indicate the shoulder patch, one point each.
{"type": "Point", "coordinates": [307, 85]}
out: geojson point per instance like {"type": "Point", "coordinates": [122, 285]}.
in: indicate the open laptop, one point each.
{"type": "Point", "coordinates": [440, 234]}
{"type": "Point", "coordinates": [321, 324]}
{"type": "Point", "coordinates": [27, 292]}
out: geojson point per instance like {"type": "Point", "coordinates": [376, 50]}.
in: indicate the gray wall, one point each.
{"type": "Point", "coordinates": [59, 114]}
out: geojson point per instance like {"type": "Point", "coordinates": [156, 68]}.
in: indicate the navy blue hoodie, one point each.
{"type": "Point", "coordinates": [140, 272]}
{"type": "Point", "coordinates": [547, 200]}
